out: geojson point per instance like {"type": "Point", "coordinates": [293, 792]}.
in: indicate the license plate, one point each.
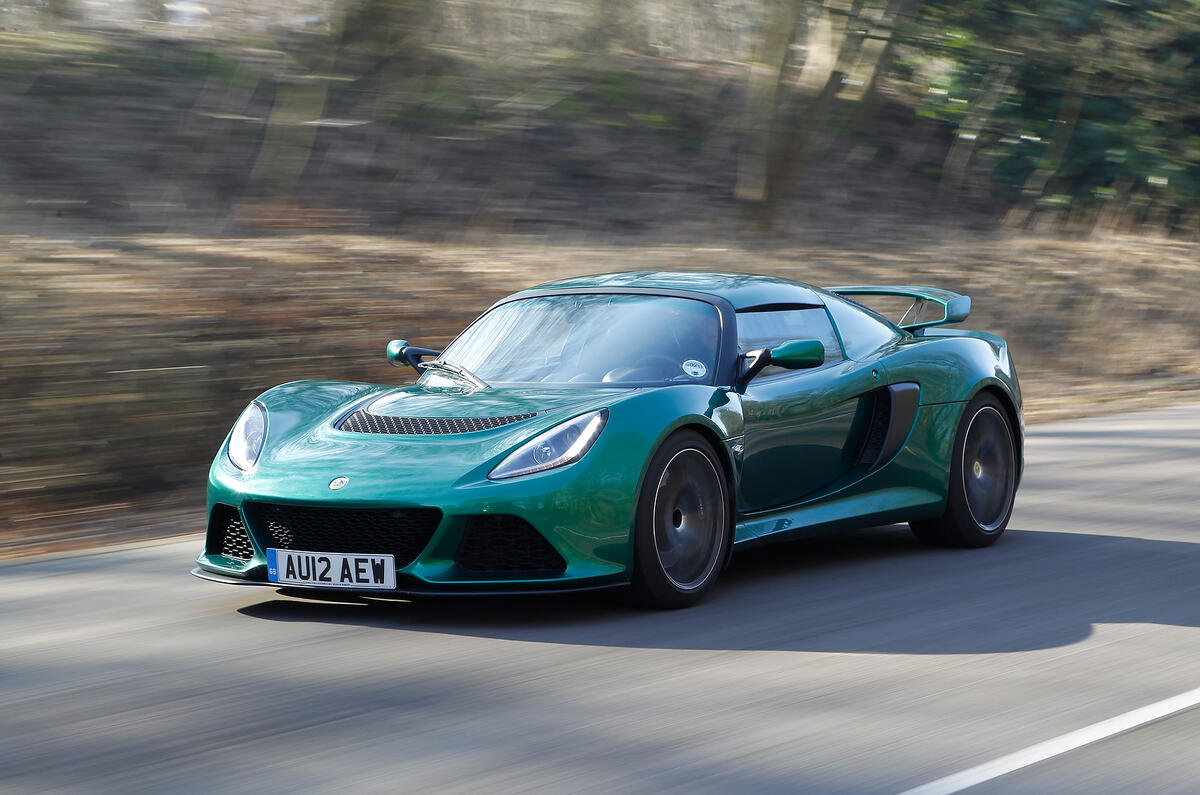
{"type": "Point", "coordinates": [330, 570]}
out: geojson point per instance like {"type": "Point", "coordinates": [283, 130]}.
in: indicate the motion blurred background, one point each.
{"type": "Point", "coordinates": [199, 200]}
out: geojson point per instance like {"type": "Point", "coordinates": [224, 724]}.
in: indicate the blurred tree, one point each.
{"type": "Point", "coordinates": [846, 44]}
{"type": "Point", "coordinates": [369, 43]}
{"type": "Point", "coordinates": [958, 158]}
{"type": "Point", "coordinates": [762, 102]}
{"type": "Point", "coordinates": [1072, 102]}
{"type": "Point", "coordinates": [154, 10]}
{"type": "Point", "coordinates": [612, 24]}
{"type": "Point", "coordinates": [59, 9]}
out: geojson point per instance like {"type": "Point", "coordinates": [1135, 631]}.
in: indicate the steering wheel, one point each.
{"type": "Point", "coordinates": [661, 360]}
{"type": "Point", "coordinates": [648, 367]}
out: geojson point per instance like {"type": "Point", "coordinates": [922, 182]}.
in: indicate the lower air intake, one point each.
{"type": "Point", "coordinates": [227, 534]}
{"type": "Point", "coordinates": [504, 544]}
{"type": "Point", "coordinates": [401, 532]}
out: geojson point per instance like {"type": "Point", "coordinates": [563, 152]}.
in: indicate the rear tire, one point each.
{"type": "Point", "coordinates": [983, 480]}
{"type": "Point", "coordinates": [683, 524]}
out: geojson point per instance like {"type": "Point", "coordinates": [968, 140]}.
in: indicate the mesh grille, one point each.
{"type": "Point", "coordinates": [402, 532]}
{"type": "Point", "coordinates": [227, 534]}
{"type": "Point", "coordinates": [499, 543]}
{"type": "Point", "coordinates": [363, 421]}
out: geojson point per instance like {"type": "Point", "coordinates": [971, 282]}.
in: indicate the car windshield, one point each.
{"type": "Point", "coordinates": [591, 339]}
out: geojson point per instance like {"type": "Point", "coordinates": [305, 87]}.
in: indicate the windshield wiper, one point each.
{"type": "Point", "coordinates": [458, 370]}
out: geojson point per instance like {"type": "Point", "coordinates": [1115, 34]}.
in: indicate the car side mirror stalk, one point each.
{"type": "Point", "coordinates": [794, 355]}
{"type": "Point", "coordinates": [753, 363]}
{"type": "Point", "coordinates": [401, 354]}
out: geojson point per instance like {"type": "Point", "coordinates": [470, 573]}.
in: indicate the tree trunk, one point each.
{"type": "Point", "coordinates": [288, 142]}
{"type": "Point", "coordinates": [781, 127]}
{"type": "Point", "coordinates": [370, 36]}
{"type": "Point", "coordinates": [1060, 138]}
{"type": "Point", "coordinates": [818, 86]}
{"type": "Point", "coordinates": [794, 150]}
{"type": "Point", "coordinates": [875, 56]}
{"type": "Point", "coordinates": [954, 168]}
{"type": "Point", "coordinates": [759, 120]}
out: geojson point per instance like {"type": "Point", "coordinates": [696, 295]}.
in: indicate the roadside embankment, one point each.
{"type": "Point", "coordinates": [124, 360]}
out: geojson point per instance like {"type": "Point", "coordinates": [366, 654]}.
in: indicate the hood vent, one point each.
{"type": "Point", "coordinates": [363, 421]}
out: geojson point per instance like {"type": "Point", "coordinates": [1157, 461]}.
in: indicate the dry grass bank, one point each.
{"type": "Point", "coordinates": [124, 360]}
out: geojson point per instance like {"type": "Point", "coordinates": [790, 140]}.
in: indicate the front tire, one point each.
{"type": "Point", "coordinates": [983, 480]}
{"type": "Point", "coordinates": [683, 524]}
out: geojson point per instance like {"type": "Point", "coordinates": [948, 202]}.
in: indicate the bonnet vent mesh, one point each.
{"type": "Point", "coordinates": [363, 421]}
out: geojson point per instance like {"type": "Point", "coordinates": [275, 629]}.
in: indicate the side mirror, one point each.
{"type": "Point", "coordinates": [799, 355]}
{"type": "Point", "coordinates": [794, 355]}
{"type": "Point", "coordinates": [395, 353]}
{"type": "Point", "coordinates": [400, 354]}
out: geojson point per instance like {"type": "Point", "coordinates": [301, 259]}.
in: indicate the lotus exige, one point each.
{"type": "Point", "coordinates": [626, 429]}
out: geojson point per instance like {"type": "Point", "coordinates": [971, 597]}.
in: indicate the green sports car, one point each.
{"type": "Point", "coordinates": [629, 429]}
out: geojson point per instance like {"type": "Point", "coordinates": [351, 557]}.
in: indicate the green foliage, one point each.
{"type": "Point", "coordinates": [1103, 94]}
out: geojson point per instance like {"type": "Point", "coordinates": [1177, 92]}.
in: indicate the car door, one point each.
{"type": "Point", "coordinates": [804, 429]}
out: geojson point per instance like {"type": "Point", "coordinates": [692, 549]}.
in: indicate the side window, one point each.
{"type": "Point", "coordinates": [862, 331]}
{"type": "Point", "coordinates": [767, 329]}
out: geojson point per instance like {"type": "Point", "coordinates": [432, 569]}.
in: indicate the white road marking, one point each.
{"type": "Point", "coordinates": [1059, 745]}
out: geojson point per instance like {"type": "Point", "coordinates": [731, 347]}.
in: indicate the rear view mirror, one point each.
{"type": "Point", "coordinates": [400, 353]}
{"type": "Point", "coordinates": [794, 355]}
{"type": "Point", "coordinates": [395, 353]}
{"type": "Point", "coordinates": [799, 355]}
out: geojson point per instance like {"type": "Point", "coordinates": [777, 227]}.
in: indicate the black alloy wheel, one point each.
{"type": "Point", "coordinates": [983, 480]}
{"type": "Point", "coordinates": [683, 523]}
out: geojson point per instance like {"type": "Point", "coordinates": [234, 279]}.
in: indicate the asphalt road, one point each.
{"type": "Point", "coordinates": [858, 664]}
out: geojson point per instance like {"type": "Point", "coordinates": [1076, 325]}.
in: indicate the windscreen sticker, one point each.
{"type": "Point", "coordinates": [694, 368]}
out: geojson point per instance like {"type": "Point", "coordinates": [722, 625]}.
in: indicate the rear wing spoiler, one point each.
{"type": "Point", "coordinates": [930, 306]}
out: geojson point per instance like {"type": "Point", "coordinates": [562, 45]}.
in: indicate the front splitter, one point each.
{"type": "Point", "coordinates": [500, 589]}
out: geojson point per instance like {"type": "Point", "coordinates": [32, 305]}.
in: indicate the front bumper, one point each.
{"type": "Point", "coordinates": [584, 512]}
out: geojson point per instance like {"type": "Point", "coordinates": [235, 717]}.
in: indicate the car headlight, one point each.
{"type": "Point", "coordinates": [247, 437]}
{"type": "Point", "coordinates": [561, 445]}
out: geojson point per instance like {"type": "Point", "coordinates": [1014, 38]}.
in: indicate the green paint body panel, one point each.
{"type": "Point", "coordinates": [791, 443]}
{"type": "Point", "coordinates": [803, 431]}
